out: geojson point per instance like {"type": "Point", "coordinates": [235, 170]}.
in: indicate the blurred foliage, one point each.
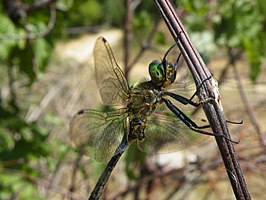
{"type": "Point", "coordinates": [234, 24]}
{"type": "Point", "coordinates": [95, 12]}
{"type": "Point", "coordinates": [24, 145]}
{"type": "Point", "coordinates": [80, 11]}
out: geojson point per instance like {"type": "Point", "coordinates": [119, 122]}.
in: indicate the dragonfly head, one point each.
{"type": "Point", "coordinates": [162, 73]}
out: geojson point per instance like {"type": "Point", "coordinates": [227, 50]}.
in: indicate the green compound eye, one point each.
{"type": "Point", "coordinates": [157, 73]}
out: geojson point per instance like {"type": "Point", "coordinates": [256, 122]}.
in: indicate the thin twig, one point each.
{"type": "Point", "coordinates": [179, 174]}
{"type": "Point", "coordinates": [144, 45]}
{"type": "Point", "coordinates": [76, 166]}
{"type": "Point", "coordinates": [249, 109]}
{"type": "Point", "coordinates": [213, 109]}
{"type": "Point", "coordinates": [223, 74]}
{"type": "Point", "coordinates": [127, 35]}
{"type": "Point", "coordinates": [12, 90]}
{"type": "Point", "coordinates": [39, 5]}
{"type": "Point", "coordinates": [58, 166]}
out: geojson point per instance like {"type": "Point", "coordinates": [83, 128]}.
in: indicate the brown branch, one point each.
{"type": "Point", "coordinates": [127, 34]}
{"type": "Point", "coordinates": [209, 94]}
{"type": "Point", "coordinates": [221, 78]}
{"type": "Point", "coordinates": [249, 109]}
{"type": "Point", "coordinates": [180, 175]}
{"type": "Point", "coordinates": [144, 44]}
{"type": "Point", "coordinates": [76, 166]}
{"type": "Point", "coordinates": [39, 5]}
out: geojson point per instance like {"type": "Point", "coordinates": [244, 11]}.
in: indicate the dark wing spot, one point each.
{"type": "Point", "coordinates": [80, 112]}
{"type": "Point", "coordinates": [104, 39]}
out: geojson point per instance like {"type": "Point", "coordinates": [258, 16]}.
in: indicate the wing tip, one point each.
{"type": "Point", "coordinates": [102, 38]}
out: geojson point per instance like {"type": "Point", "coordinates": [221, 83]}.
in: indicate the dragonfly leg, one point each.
{"type": "Point", "coordinates": [232, 122]}
{"type": "Point", "coordinates": [191, 124]}
{"type": "Point", "coordinates": [198, 88]}
{"type": "Point", "coordinates": [184, 100]}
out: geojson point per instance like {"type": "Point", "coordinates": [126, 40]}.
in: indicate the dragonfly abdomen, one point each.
{"type": "Point", "coordinates": [142, 103]}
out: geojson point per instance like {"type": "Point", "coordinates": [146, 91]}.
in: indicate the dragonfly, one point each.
{"type": "Point", "coordinates": [145, 113]}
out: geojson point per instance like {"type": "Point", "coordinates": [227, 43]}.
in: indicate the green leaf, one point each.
{"type": "Point", "coordinates": [97, 169]}
{"type": "Point", "coordinates": [32, 56]}
{"type": "Point", "coordinates": [42, 51]}
{"type": "Point", "coordinates": [160, 38]}
{"type": "Point", "coordinates": [262, 6]}
{"type": "Point", "coordinates": [25, 57]}
{"type": "Point", "coordinates": [142, 24]}
{"type": "Point", "coordinates": [17, 183]}
{"type": "Point", "coordinates": [64, 4]}
{"type": "Point", "coordinates": [7, 29]}
{"type": "Point", "coordinates": [6, 141]}
{"type": "Point", "coordinates": [134, 158]}
{"type": "Point", "coordinates": [254, 48]}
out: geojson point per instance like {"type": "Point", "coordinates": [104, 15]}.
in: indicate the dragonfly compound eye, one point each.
{"type": "Point", "coordinates": [157, 72]}
{"type": "Point", "coordinates": [170, 74]}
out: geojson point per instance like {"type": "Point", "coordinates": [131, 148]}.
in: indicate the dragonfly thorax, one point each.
{"type": "Point", "coordinates": [143, 99]}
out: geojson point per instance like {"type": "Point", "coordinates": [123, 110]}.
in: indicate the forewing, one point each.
{"type": "Point", "coordinates": [165, 133]}
{"type": "Point", "coordinates": [99, 133]}
{"type": "Point", "coordinates": [110, 79]}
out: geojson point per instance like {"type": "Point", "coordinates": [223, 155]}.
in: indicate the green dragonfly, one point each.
{"type": "Point", "coordinates": [142, 116]}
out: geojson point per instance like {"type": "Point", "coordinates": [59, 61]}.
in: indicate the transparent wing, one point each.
{"type": "Point", "coordinates": [165, 133]}
{"type": "Point", "coordinates": [99, 133]}
{"type": "Point", "coordinates": [110, 79]}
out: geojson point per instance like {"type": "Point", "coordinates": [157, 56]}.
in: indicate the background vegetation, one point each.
{"type": "Point", "coordinates": [38, 94]}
